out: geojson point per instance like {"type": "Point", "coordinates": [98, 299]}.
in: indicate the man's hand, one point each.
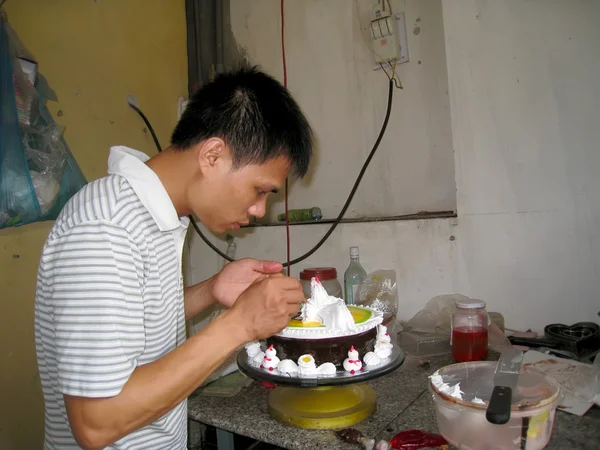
{"type": "Point", "coordinates": [238, 276]}
{"type": "Point", "coordinates": [265, 308]}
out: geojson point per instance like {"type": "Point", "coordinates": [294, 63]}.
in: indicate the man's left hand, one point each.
{"type": "Point", "coordinates": [238, 275]}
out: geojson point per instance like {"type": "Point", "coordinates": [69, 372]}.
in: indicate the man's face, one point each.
{"type": "Point", "coordinates": [225, 198]}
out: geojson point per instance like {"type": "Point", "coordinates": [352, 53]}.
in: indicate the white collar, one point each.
{"type": "Point", "coordinates": [131, 165]}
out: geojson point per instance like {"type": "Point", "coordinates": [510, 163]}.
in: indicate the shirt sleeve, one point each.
{"type": "Point", "coordinates": [95, 279]}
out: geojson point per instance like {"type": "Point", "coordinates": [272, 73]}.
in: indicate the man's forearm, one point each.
{"type": "Point", "coordinates": [155, 388]}
{"type": "Point", "coordinates": [197, 298]}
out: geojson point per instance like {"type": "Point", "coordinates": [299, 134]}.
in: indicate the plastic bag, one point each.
{"type": "Point", "coordinates": [38, 173]}
{"type": "Point", "coordinates": [379, 292]}
{"type": "Point", "coordinates": [436, 317]}
{"type": "Point", "coordinates": [46, 157]}
{"type": "Point", "coordinates": [586, 381]}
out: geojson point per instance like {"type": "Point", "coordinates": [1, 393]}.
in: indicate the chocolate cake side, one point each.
{"type": "Point", "coordinates": [333, 350]}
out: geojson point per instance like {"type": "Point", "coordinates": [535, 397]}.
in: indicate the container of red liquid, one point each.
{"type": "Point", "coordinates": [470, 331]}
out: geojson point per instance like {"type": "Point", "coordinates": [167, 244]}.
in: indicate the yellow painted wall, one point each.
{"type": "Point", "coordinates": [93, 53]}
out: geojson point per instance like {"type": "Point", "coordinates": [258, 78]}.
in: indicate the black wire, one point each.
{"type": "Point", "coordinates": [192, 220]}
{"type": "Point", "coordinates": [344, 208]}
{"type": "Point", "coordinates": [147, 122]}
{"type": "Point", "coordinates": [356, 183]}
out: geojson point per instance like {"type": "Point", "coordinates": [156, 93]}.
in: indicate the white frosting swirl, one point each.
{"type": "Point", "coordinates": [440, 385]}
{"type": "Point", "coordinates": [383, 350]}
{"type": "Point", "coordinates": [383, 335]}
{"type": "Point", "coordinates": [326, 369]}
{"type": "Point", "coordinates": [326, 309]}
{"type": "Point", "coordinates": [257, 359]}
{"type": "Point", "coordinates": [371, 359]}
{"type": "Point", "coordinates": [383, 344]}
{"type": "Point", "coordinates": [252, 349]}
{"type": "Point", "coordinates": [306, 365]}
{"type": "Point", "coordinates": [287, 367]}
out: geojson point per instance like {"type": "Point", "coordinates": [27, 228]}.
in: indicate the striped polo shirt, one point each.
{"type": "Point", "coordinates": [110, 297]}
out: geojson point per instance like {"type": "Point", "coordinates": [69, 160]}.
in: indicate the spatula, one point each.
{"type": "Point", "coordinates": [505, 381]}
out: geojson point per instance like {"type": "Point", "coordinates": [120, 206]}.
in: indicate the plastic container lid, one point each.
{"type": "Point", "coordinates": [323, 273]}
{"type": "Point", "coordinates": [476, 379]}
{"type": "Point", "coordinates": [470, 304]}
{"type": "Point", "coordinates": [354, 252]}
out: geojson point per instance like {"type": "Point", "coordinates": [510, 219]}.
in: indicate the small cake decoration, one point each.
{"type": "Point", "coordinates": [258, 359]}
{"type": "Point", "coordinates": [255, 354]}
{"type": "Point", "coordinates": [383, 344]}
{"type": "Point", "coordinates": [371, 359]}
{"type": "Point", "coordinates": [352, 364]}
{"type": "Point", "coordinates": [270, 360]}
{"type": "Point", "coordinates": [327, 369]}
{"type": "Point", "coordinates": [253, 349]}
{"type": "Point", "coordinates": [287, 367]}
{"type": "Point", "coordinates": [306, 365]}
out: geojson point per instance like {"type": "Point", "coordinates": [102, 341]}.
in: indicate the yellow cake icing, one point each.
{"type": "Point", "coordinates": [359, 314]}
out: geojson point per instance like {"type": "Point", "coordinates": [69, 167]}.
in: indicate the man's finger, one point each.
{"type": "Point", "coordinates": [268, 267]}
{"type": "Point", "coordinates": [295, 299]}
{"type": "Point", "coordinates": [289, 283]}
{"type": "Point", "coordinates": [275, 275]}
{"type": "Point", "coordinates": [293, 310]}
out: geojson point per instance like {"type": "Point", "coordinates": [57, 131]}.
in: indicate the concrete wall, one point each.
{"type": "Point", "coordinates": [524, 103]}
{"type": "Point", "coordinates": [330, 73]}
{"type": "Point", "coordinates": [524, 108]}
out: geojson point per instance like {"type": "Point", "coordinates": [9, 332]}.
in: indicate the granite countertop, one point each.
{"type": "Point", "coordinates": [403, 403]}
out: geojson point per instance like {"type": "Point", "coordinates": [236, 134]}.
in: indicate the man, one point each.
{"type": "Point", "coordinates": [111, 307]}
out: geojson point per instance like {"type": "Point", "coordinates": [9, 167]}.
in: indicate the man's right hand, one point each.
{"type": "Point", "coordinates": [265, 308]}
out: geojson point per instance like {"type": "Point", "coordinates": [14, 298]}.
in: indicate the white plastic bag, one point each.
{"type": "Point", "coordinates": [436, 317]}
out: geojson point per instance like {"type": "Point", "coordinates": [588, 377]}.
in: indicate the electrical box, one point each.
{"type": "Point", "coordinates": [384, 32]}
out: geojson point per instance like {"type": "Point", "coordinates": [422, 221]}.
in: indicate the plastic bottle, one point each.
{"type": "Point", "coordinates": [353, 277]}
{"type": "Point", "coordinates": [302, 215]}
{"type": "Point", "coordinates": [328, 278]}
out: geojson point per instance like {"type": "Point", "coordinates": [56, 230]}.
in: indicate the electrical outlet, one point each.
{"type": "Point", "coordinates": [402, 40]}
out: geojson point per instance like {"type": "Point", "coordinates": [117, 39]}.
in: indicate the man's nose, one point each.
{"type": "Point", "coordinates": [259, 209]}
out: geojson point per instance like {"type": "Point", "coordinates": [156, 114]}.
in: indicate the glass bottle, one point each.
{"type": "Point", "coordinates": [353, 277]}
{"type": "Point", "coordinates": [302, 215]}
{"type": "Point", "coordinates": [470, 331]}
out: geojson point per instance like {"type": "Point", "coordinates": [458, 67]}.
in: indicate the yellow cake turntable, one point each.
{"type": "Point", "coordinates": [330, 402]}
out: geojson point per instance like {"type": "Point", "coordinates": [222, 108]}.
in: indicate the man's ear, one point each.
{"type": "Point", "coordinates": [211, 153]}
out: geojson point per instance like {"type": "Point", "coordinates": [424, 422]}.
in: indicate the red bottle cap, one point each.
{"type": "Point", "coordinates": [323, 273]}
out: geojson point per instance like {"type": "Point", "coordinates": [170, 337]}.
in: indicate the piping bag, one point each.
{"type": "Point", "coordinates": [416, 439]}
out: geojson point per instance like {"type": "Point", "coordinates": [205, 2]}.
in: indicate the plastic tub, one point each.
{"type": "Point", "coordinates": [461, 418]}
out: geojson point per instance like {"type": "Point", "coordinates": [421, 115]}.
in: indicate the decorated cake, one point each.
{"type": "Point", "coordinates": [327, 336]}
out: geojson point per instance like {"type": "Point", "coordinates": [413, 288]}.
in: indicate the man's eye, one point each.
{"type": "Point", "coordinates": [261, 192]}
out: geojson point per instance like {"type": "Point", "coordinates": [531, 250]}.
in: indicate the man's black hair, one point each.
{"type": "Point", "coordinates": [254, 114]}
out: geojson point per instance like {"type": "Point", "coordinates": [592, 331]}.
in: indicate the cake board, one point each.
{"type": "Point", "coordinates": [331, 402]}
